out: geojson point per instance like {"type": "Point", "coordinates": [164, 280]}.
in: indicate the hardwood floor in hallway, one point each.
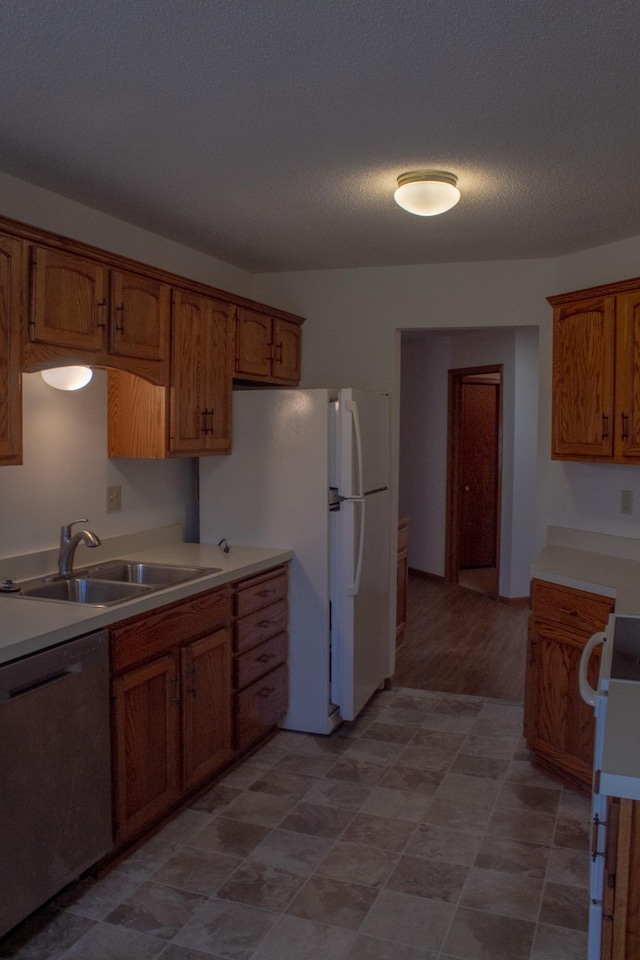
{"type": "Point", "coordinates": [460, 641]}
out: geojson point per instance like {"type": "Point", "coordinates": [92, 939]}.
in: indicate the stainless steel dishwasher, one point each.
{"type": "Point", "coordinates": [55, 778]}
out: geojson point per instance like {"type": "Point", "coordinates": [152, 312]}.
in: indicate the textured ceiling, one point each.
{"type": "Point", "coordinates": [269, 133]}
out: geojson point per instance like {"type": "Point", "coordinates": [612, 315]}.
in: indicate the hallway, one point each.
{"type": "Point", "coordinates": [462, 642]}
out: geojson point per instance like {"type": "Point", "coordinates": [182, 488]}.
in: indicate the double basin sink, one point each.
{"type": "Point", "coordinates": [113, 582]}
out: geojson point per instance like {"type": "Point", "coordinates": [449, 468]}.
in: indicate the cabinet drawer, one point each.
{"type": "Point", "coordinates": [575, 609]}
{"type": "Point", "coordinates": [152, 634]}
{"type": "Point", "coordinates": [260, 706]}
{"type": "Point", "coordinates": [260, 626]}
{"type": "Point", "coordinates": [260, 591]}
{"type": "Point", "coordinates": [255, 663]}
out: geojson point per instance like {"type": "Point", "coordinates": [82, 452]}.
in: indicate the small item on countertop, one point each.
{"type": "Point", "coordinates": [9, 586]}
{"type": "Point", "coordinates": [224, 546]}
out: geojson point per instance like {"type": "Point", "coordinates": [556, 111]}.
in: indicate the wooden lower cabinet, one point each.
{"type": "Point", "coordinates": [183, 706]}
{"type": "Point", "coordinates": [559, 726]}
{"type": "Point", "coordinates": [260, 647]}
{"type": "Point", "coordinates": [621, 894]}
{"type": "Point", "coordinates": [171, 707]}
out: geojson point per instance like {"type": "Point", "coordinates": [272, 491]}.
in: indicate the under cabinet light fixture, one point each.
{"type": "Point", "coordinates": [427, 192]}
{"type": "Point", "coordinates": [67, 378]}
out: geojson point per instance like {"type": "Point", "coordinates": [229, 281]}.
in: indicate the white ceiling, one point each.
{"type": "Point", "coordinates": [269, 133]}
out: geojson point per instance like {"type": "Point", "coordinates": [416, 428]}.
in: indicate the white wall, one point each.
{"type": "Point", "coordinates": [66, 468]}
{"type": "Point", "coordinates": [350, 338]}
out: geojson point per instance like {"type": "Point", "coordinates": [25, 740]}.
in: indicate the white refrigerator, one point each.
{"type": "Point", "coordinates": [309, 471]}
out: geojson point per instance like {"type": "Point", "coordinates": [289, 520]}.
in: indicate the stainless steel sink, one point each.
{"type": "Point", "coordinates": [109, 583]}
{"type": "Point", "coordinates": [99, 593]}
{"type": "Point", "coordinates": [157, 575]}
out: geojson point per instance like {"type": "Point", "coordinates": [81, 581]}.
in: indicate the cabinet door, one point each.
{"type": "Point", "coordinates": [253, 344]}
{"type": "Point", "coordinates": [559, 725]}
{"type": "Point", "coordinates": [583, 379]}
{"type": "Point", "coordinates": [287, 342]}
{"type": "Point", "coordinates": [146, 732]}
{"type": "Point", "coordinates": [139, 316]}
{"type": "Point", "coordinates": [628, 375]}
{"type": "Point", "coordinates": [206, 725]}
{"type": "Point", "coordinates": [11, 300]}
{"type": "Point", "coordinates": [68, 300]}
{"type": "Point", "coordinates": [621, 900]}
{"type": "Point", "coordinates": [201, 375]}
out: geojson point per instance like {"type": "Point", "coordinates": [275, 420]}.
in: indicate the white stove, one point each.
{"type": "Point", "coordinates": [616, 704]}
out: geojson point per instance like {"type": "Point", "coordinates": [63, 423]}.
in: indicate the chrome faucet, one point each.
{"type": "Point", "coordinates": [69, 543]}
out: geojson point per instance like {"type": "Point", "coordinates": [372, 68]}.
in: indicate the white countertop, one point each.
{"type": "Point", "coordinates": [27, 626]}
{"type": "Point", "coordinates": [598, 563]}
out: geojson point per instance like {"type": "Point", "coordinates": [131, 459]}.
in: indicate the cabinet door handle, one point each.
{"type": "Point", "coordinates": [207, 425]}
{"type": "Point", "coordinates": [625, 426]}
{"type": "Point", "coordinates": [265, 623]}
{"type": "Point", "coordinates": [265, 692]}
{"type": "Point", "coordinates": [265, 657]}
{"type": "Point", "coordinates": [101, 308]}
{"type": "Point", "coordinates": [120, 318]}
{"type": "Point", "coordinates": [278, 356]}
{"type": "Point", "coordinates": [605, 427]}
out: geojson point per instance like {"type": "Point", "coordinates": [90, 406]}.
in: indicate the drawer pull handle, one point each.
{"type": "Point", "coordinates": [265, 657]}
{"type": "Point", "coordinates": [568, 612]}
{"type": "Point", "coordinates": [265, 623]}
{"type": "Point", "coordinates": [265, 692]}
{"type": "Point", "coordinates": [266, 593]}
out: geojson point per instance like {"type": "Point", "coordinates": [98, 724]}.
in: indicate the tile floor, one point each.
{"type": "Point", "coordinates": [421, 832]}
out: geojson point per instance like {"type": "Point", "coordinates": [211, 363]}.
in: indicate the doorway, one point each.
{"type": "Point", "coordinates": [474, 478]}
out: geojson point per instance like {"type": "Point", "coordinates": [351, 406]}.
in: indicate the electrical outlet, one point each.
{"type": "Point", "coordinates": [114, 498]}
{"type": "Point", "coordinates": [626, 501]}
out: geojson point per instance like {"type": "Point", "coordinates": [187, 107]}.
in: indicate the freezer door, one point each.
{"type": "Point", "coordinates": [362, 436]}
{"type": "Point", "coordinates": [360, 630]}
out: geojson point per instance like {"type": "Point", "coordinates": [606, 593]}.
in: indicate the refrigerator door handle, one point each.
{"type": "Point", "coordinates": [354, 589]}
{"type": "Point", "coordinates": [352, 407]}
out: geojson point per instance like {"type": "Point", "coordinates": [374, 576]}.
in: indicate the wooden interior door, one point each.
{"type": "Point", "coordinates": [473, 470]}
{"type": "Point", "coordinates": [478, 459]}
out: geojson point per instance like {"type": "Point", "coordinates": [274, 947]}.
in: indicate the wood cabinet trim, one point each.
{"type": "Point", "coordinates": [117, 261]}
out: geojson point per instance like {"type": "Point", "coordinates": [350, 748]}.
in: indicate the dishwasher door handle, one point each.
{"type": "Point", "coordinates": [42, 682]}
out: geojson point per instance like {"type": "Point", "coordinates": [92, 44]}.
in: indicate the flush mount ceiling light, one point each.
{"type": "Point", "coordinates": [427, 192]}
{"type": "Point", "coordinates": [67, 378]}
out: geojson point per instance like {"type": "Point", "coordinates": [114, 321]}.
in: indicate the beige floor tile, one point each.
{"type": "Point", "coordinates": [475, 935]}
{"type": "Point", "coordinates": [359, 769]}
{"type": "Point", "coordinates": [45, 936]}
{"type": "Point", "coordinates": [389, 732]}
{"type": "Point", "coordinates": [299, 939]}
{"type": "Point", "coordinates": [280, 784]}
{"type": "Point", "coordinates": [318, 820]}
{"type": "Point", "coordinates": [493, 768]}
{"type": "Point", "coordinates": [156, 910]}
{"type": "Point", "coordinates": [371, 948]}
{"type": "Point", "coordinates": [338, 904]}
{"type": "Point", "coordinates": [233, 837]}
{"type": "Point", "coordinates": [475, 789]}
{"type": "Point", "coordinates": [513, 856]}
{"type": "Point", "coordinates": [572, 832]}
{"type": "Point", "coordinates": [522, 825]}
{"type": "Point", "coordinates": [436, 842]}
{"type": "Point", "coordinates": [565, 906]}
{"type": "Point", "coordinates": [300, 853]}
{"type": "Point", "coordinates": [261, 884]}
{"type": "Point", "coordinates": [410, 920]}
{"type": "Point", "coordinates": [397, 804]}
{"type": "Point", "coordinates": [200, 871]}
{"type": "Point", "coordinates": [520, 796]}
{"type": "Point", "coordinates": [380, 832]}
{"type": "Point", "coordinates": [556, 943]}
{"type": "Point", "coordinates": [568, 866]}
{"type": "Point", "coordinates": [502, 747]}
{"type": "Point", "coordinates": [465, 815]}
{"type": "Point", "coordinates": [352, 863]}
{"type": "Point", "coordinates": [338, 793]}
{"type": "Point", "coordinates": [507, 894]}
{"type": "Point", "coordinates": [226, 928]}
{"type": "Point", "coordinates": [105, 942]}
{"type": "Point", "coordinates": [434, 879]}
{"type": "Point", "coordinates": [261, 808]}
{"type": "Point", "coordinates": [412, 779]}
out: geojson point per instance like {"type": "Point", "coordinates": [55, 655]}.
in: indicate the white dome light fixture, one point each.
{"type": "Point", "coordinates": [427, 192]}
{"type": "Point", "coordinates": [67, 378]}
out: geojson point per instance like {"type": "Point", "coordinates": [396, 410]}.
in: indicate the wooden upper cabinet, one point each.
{"type": "Point", "coordinates": [627, 427]}
{"type": "Point", "coordinates": [68, 300]}
{"type": "Point", "coordinates": [596, 374]}
{"type": "Point", "coordinates": [287, 349]}
{"type": "Point", "coordinates": [11, 301]}
{"type": "Point", "coordinates": [139, 310]}
{"type": "Point", "coordinates": [583, 370]}
{"type": "Point", "coordinates": [268, 348]}
{"type": "Point", "coordinates": [202, 341]}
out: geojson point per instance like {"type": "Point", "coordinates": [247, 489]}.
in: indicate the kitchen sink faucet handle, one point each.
{"type": "Point", "coordinates": [65, 529]}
